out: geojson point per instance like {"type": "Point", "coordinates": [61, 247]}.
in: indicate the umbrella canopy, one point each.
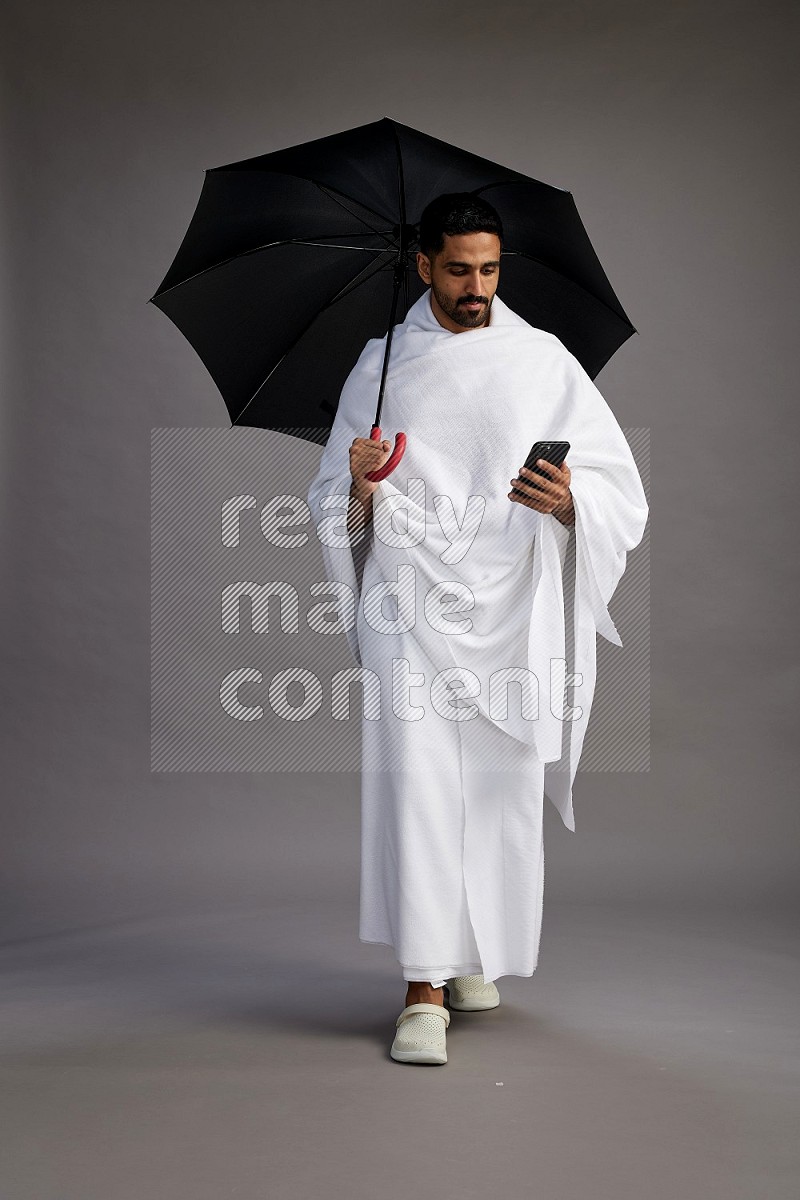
{"type": "Point", "coordinates": [293, 259]}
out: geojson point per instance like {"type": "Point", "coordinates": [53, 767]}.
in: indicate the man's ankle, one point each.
{"type": "Point", "coordinates": [423, 993]}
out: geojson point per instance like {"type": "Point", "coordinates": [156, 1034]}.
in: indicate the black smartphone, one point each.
{"type": "Point", "coordinates": [552, 452]}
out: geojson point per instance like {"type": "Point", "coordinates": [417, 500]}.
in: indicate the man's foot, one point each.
{"type": "Point", "coordinates": [469, 993]}
{"type": "Point", "coordinates": [420, 1036]}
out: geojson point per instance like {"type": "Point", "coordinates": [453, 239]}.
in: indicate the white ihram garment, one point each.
{"type": "Point", "coordinates": [452, 782]}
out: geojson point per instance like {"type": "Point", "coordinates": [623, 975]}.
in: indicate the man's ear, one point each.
{"type": "Point", "coordinates": [423, 267]}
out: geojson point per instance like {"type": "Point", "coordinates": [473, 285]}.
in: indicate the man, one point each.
{"type": "Point", "coordinates": [453, 781]}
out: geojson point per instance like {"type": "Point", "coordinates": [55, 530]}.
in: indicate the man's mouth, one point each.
{"type": "Point", "coordinates": [473, 305]}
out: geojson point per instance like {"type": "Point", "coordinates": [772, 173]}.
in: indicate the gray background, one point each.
{"type": "Point", "coordinates": [181, 948]}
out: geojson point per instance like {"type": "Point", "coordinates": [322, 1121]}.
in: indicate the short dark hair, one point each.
{"type": "Point", "coordinates": [454, 213]}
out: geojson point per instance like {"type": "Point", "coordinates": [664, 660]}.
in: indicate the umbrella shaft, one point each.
{"type": "Point", "coordinates": [399, 273]}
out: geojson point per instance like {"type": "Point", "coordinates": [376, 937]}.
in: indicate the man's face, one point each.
{"type": "Point", "coordinates": [463, 279]}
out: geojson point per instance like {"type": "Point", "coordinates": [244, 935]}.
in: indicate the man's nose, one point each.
{"type": "Point", "coordinates": [476, 283]}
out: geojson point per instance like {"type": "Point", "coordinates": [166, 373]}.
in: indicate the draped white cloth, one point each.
{"type": "Point", "coordinates": [459, 628]}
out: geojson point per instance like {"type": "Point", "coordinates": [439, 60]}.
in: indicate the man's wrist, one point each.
{"type": "Point", "coordinates": [565, 513]}
{"type": "Point", "coordinates": [360, 513]}
{"type": "Point", "coordinates": [361, 493]}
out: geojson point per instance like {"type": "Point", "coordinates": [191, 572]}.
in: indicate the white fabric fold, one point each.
{"type": "Point", "coordinates": [472, 404]}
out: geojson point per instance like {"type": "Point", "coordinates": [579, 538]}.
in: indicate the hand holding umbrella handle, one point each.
{"type": "Point", "coordinates": [393, 459]}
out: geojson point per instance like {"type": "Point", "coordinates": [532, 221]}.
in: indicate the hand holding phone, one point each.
{"type": "Point", "coordinates": [552, 452]}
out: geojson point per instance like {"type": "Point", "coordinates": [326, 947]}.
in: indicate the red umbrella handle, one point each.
{"type": "Point", "coordinates": [393, 459]}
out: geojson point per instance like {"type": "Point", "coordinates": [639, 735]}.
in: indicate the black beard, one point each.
{"type": "Point", "coordinates": [458, 313]}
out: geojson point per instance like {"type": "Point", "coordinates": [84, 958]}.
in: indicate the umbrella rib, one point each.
{"type": "Point", "coordinates": [336, 197]}
{"type": "Point", "coordinates": [347, 290]}
{"type": "Point", "coordinates": [520, 183]}
{"type": "Point", "coordinates": [574, 282]}
{"type": "Point", "coordinates": [333, 246]}
{"type": "Point", "coordinates": [354, 283]}
{"type": "Point", "coordinates": [521, 253]}
{"type": "Point", "coordinates": [267, 246]}
{"type": "Point", "coordinates": [333, 192]}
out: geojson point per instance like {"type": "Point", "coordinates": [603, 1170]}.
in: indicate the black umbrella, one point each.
{"type": "Point", "coordinates": [293, 259]}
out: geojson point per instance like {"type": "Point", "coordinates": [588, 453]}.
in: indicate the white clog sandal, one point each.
{"type": "Point", "coordinates": [420, 1036]}
{"type": "Point", "coordinates": [469, 993]}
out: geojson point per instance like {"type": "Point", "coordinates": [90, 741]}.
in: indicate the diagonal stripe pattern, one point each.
{"type": "Point", "coordinates": [246, 674]}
